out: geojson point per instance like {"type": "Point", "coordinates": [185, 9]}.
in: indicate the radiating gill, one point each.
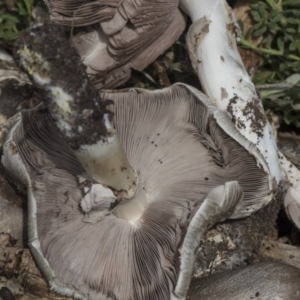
{"type": "Point", "coordinates": [132, 209]}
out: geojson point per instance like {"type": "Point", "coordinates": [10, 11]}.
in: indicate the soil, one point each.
{"type": "Point", "coordinates": [46, 52]}
{"type": "Point", "coordinates": [12, 95]}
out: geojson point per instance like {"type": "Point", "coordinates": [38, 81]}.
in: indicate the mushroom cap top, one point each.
{"type": "Point", "coordinates": [129, 35]}
{"type": "Point", "coordinates": [175, 141]}
{"type": "Point", "coordinates": [265, 280]}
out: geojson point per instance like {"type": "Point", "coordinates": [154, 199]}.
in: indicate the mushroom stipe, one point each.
{"type": "Point", "coordinates": [133, 252]}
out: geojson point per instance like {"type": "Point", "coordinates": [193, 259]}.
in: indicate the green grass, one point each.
{"type": "Point", "coordinates": [277, 25]}
{"type": "Point", "coordinates": [15, 16]}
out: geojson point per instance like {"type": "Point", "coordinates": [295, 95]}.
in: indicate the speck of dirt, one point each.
{"type": "Point", "coordinates": [231, 110]}
{"type": "Point", "coordinates": [232, 27]}
{"type": "Point", "coordinates": [254, 112]}
{"type": "Point", "coordinates": [205, 28]}
{"type": "Point", "coordinates": [13, 148]}
{"type": "Point", "coordinates": [224, 93]}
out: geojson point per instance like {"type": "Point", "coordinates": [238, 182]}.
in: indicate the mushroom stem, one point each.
{"type": "Point", "coordinates": [212, 47]}
{"type": "Point", "coordinates": [219, 204]}
{"type": "Point", "coordinates": [82, 118]}
{"type": "Point", "coordinates": [106, 162]}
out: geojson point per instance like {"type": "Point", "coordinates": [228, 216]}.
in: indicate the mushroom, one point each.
{"type": "Point", "coordinates": [125, 34]}
{"type": "Point", "coordinates": [128, 257]}
{"type": "Point", "coordinates": [143, 242]}
{"type": "Point", "coordinates": [92, 233]}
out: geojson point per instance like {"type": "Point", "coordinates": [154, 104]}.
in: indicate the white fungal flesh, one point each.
{"type": "Point", "coordinates": [98, 197]}
{"type": "Point", "coordinates": [61, 289]}
{"type": "Point", "coordinates": [107, 164]}
{"type": "Point", "coordinates": [219, 203]}
{"type": "Point", "coordinates": [63, 113]}
{"type": "Point", "coordinates": [97, 203]}
{"type": "Point", "coordinates": [131, 210]}
{"type": "Point", "coordinates": [214, 53]}
{"type": "Point", "coordinates": [33, 63]}
{"type": "Point", "coordinates": [62, 99]}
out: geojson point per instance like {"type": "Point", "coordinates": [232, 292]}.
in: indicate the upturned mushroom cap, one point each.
{"type": "Point", "coordinates": [129, 35]}
{"type": "Point", "coordinates": [182, 147]}
{"type": "Point", "coordinates": [222, 154]}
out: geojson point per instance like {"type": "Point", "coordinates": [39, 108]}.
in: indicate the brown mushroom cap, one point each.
{"type": "Point", "coordinates": [175, 140]}
{"type": "Point", "coordinates": [262, 281]}
{"type": "Point", "coordinates": [131, 34]}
